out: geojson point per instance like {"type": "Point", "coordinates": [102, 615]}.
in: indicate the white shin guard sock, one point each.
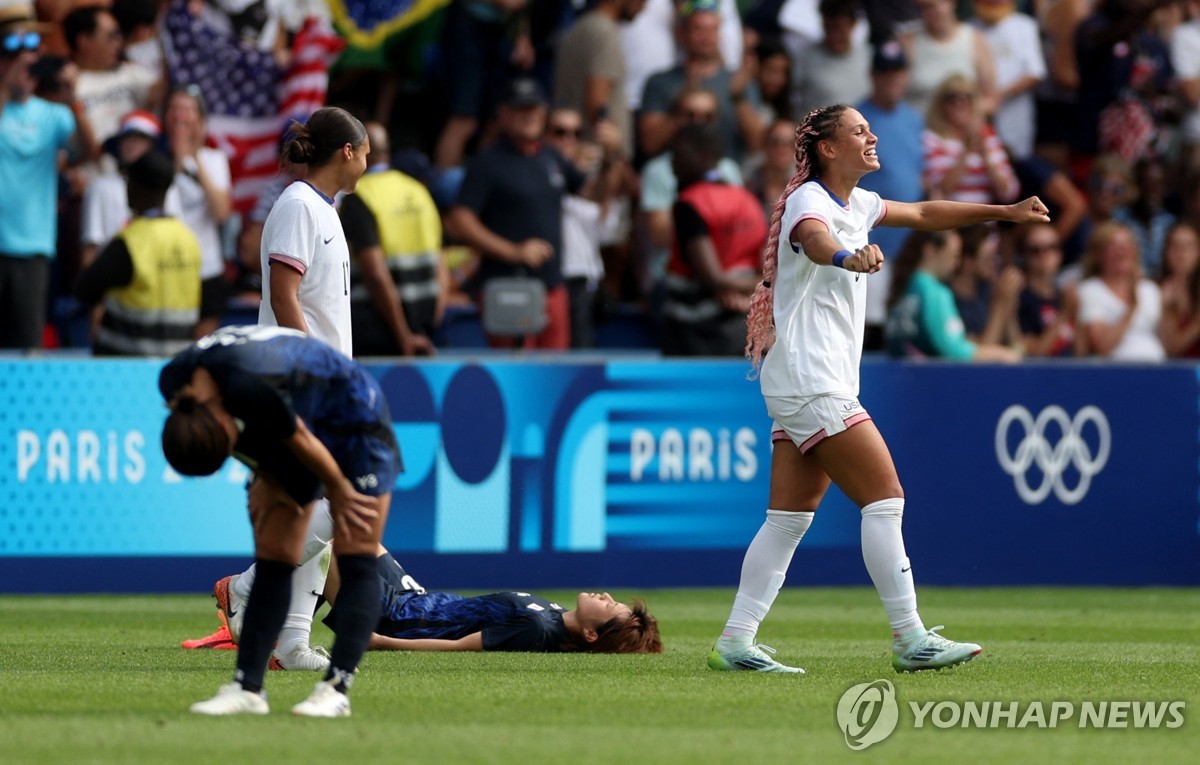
{"type": "Point", "coordinates": [887, 563]}
{"type": "Point", "coordinates": [307, 583]}
{"type": "Point", "coordinates": [764, 569]}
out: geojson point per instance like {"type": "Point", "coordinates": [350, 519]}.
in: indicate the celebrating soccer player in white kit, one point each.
{"type": "Point", "coordinates": [805, 330]}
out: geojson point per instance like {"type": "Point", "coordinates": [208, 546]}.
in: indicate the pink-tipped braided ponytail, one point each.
{"type": "Point", "coordinates": [818, 125]}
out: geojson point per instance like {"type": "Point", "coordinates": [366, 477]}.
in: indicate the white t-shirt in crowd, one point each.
{"type": "Point", "coordinates": [1016, 45]}
{"type": "Point", "coordinates": [582, 220]}
{"type": "Point", "coordinates": [1185, 58]}
{"type": "Point", "coordinates": [304, 232]}
{"type": "Point", "coordinates": [109, 96]}
{"type": "Point", "coordinates": [195, 212]}
{"type": "Point", "coordinates": [1097, 303]}
{"type": "Point", "coordinates": [820, 311]}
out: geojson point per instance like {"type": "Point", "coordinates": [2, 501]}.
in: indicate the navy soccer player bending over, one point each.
{"type": "Point", "coordinates": [310, 423]}
{"type": "Point", "coordinates": [412, 619]}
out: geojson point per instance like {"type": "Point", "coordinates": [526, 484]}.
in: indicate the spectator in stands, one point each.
{"type": "Point", "coordinates": [487, 43]}
{"type": "Point", "coordinates": [398, 280]}
{"type": "Point", "coordinates": [108, 87]}
{"type": "Point", "coordinates": [1045, 313]}
{"type": "Point", "coordinates": [1120, 311]}
{"type": "Point", "coordinates": [1181, 292]}
{"type": "Point", "coordinates": [203, 180]}
{"type": "Point", "coordinates": [105, 201]}
{"type": "Point", "coordinates": [1109, 185]}
{"type": "Point", "coordinates": [1017, 48]}
{"type": "Point", "coordinates": [1058, 93]}
{"type": "Point", "coordinates": [769, 179]}
{"type": "Point", "coordinates": [1124, 68]}
{"type": "Point", "coordinates": [716, 253]}
{"type": "Point", "coordinates": [651, 42]}
{"type": "Point", "coordinates": [692, 105]}
{"type": "Point", "coordinates": [148, 277]}
{"type": "Point", "coordinates": [1185, 59]}
{"type": "Point", "coordinates": [586, 221]}
{"type": "Point", "coordinates": [773, 74]}
{"type": "Point", "coordinates": [32, 133]}
{"type": "Point", "coordinates": [1067, 204]}
{"type": "Point", "coordinates": [923, 321]}
{"type": "Point", "coordinates": [590, 71]}
{"type": "Point", "coordinates": [138, 20]}
{"type": "Point", "coordinates": [985, 294]}
{"type": "Point", "coordinates": [838, 68]}
{"type": "Point", "coordinates": [901, 168]}
{"type": "Point", "coordinates": [736, 92]}
{"type": "Point", "coordinates": [1146, 215]}
{"type": "Point", "coordinates": [510, 208]}
{"type": "Point", "coordinates": [964, 160]}
{"type": "Point", "coordinates": [944, 46]}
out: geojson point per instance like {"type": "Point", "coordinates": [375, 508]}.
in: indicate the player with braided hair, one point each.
{"type": "Point", "coordinates": [805, 336]}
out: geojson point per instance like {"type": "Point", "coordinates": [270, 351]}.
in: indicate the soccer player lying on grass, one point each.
{"type": "Point", "coordinates": [413, 619]}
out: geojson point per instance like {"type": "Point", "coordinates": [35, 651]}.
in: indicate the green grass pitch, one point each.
{"type": "Point", "coordinates": [103, 680]}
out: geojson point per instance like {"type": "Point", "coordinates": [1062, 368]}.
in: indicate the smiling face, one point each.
{"type": "Point", "coordinates": [853, 149]}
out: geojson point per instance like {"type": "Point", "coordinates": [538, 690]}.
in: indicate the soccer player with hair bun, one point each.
{"type": "Point", "coordinates": [805, 337]}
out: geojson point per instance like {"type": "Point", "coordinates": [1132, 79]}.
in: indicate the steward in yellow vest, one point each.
{"type": "Point", "coordinates": [148, 276]}
{"type": "Point", "coordinates": [397, 274]}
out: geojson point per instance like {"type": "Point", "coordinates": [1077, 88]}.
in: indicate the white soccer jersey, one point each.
{"type": "Point", "coordinates": [303, 232]}
{"type": "Point", "coordinates": [820, 311]}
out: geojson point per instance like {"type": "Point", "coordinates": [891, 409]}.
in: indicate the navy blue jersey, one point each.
{"type": "Point", "coordinates": [268, 376]}
{"type": "Point", "coordinates": [509, 621]}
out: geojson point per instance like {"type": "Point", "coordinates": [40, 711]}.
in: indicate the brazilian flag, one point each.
{"type": "Point", "coordinates": [394, 35]}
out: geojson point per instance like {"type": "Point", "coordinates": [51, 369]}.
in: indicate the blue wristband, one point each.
{"type": "Point", "coordinates": [839, 258]}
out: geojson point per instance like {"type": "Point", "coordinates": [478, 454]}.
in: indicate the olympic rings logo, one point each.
{"type": "Point", "coordinates": [1051, 461]}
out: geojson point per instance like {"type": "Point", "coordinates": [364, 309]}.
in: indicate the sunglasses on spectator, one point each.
{"type": "Point", "coordinates": [958, 96]}
{"type": "Point", "coordinates": [699, 117]}
{"type": "Point", "coordinates": [562, 131]}
{"type": "Point", "coordinates": [21, 41]}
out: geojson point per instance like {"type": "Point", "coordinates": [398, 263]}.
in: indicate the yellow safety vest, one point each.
{"type": "Point", "coordinates": [156, 313]}
{"type": "Point", "coordinates": [410, 233]}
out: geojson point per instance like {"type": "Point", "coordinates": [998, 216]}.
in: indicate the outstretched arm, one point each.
{"type": "Point", "coordinates": [472, 642]}
{"type": "Point", "coordinates": [941, 215]}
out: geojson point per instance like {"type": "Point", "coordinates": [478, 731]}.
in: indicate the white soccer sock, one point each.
{"type": "Point", "coordinates": [307, 584]}
{"type": "Point", "coordinates": [320, 534]}
{"type": "Point", "coordinates": [763, 570]}
{"type": "Point", "coordinates": [888, 565]}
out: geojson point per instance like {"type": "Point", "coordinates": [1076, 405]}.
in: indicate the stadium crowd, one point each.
{"type": "Point", "coordinates": [615, 161]}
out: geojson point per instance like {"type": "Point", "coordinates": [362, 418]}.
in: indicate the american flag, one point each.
{"type": "Point", "coordinates": [249, 97]}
